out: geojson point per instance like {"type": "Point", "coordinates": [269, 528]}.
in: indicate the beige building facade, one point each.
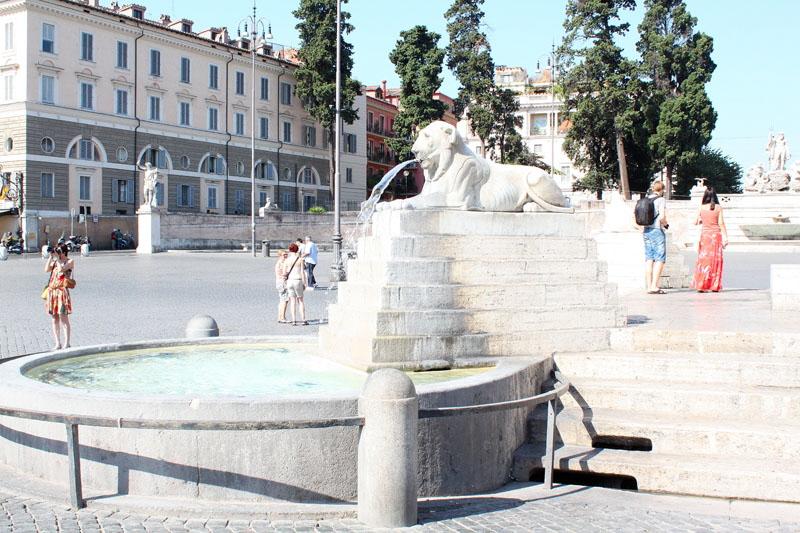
{"type": "Point", "coordinates": [91, 94]}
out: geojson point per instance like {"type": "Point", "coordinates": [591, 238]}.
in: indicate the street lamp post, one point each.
{"type": "Point", "coordinates": [254, 22]}
{"type": "Point", "coordinates": [337, 268]}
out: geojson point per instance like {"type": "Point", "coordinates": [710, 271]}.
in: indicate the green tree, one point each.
{"type": "Point", "coordinates": [503, 141]}
{"type": "Point", "coordinates": [316, 77]}
{"type": "Point", "coordinates": [469, 57]}
{"type": "Point", "coordinates": [719, 171]}
{"type": "Point", "coordinates": [600, 87]}
{"type": "Point", "coordinates": [418, 62]}
{"type": "Point", "coordinates": [677, 62]}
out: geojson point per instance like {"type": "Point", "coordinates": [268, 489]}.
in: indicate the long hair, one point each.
{"type": "Point", "coordinates": [710, 197]}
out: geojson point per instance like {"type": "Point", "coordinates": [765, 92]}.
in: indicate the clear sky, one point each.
{"type": "Point", "coordinates": [756, 48]}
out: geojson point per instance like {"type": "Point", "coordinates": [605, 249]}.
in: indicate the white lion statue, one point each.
{"type": "Point", "coordinates": [456, 178]}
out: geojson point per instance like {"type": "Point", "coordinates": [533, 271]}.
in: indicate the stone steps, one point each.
{"type": "Point", "coordinates": [477, 247]}
{"type": "Point", "coordinates": [466, 347]}
{"type": "Point", "coordinates": [675, 433]}
{"type": "Point", "coordinates": [409, 322]}
{"type": "Point", "coordinates": [705, 343]}
{"type": "Point", "coordinates": [483, 296]}
{"type": "Point", "coordinates": [686, 399]}
{"type": "Point", "coordinates": [442, 271]}
{"type": "Point", "coordinates": [733, 369]}
{"type": "Point", "coordinates": [721, 477]}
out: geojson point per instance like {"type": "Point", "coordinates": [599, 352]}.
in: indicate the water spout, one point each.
{"type": "Point", "coordinates": [368, 206]}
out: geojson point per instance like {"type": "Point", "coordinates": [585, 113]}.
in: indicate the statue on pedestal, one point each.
{"type": "Point", "coordinates": [150, 182]}
{"type": "Point", "coordinates": [778, 152]}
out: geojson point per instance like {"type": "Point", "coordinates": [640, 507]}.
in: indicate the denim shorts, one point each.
{"type": "Point", "coordinates": [655, 245]}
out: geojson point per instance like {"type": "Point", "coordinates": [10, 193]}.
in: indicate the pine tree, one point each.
{"type": "Point", "coordinates": [469, 58]}
{"type": "Point", "coordinates": [418, 62]}
{"type": "Point", "coordinates": [502, 140]}
{"type": "Point", "coordinates": [719, 171]}
{"type": "Point", "coordinates": [599, 84]}
{"type": "Point", "coordinates": [316, 77]}
{"type": "Point", "coordinates": [677, 62]}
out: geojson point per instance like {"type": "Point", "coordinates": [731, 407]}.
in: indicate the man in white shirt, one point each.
{"type": "Point", "coordinates": [309, 253]}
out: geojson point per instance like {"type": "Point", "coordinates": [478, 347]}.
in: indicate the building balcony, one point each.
{"type": "Point", "coordinates": [377, 130]}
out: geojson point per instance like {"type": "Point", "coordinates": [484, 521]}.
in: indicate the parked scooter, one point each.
{"type": "Point", "coordinates": [75, 241]}
{"type": "Point", "coordinates": [126, 241]}
{"type": "Point", "coordinates": [13, 245]}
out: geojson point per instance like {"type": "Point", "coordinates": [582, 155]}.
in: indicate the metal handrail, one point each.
{"type": "Point", "coordinates": [72, 422]}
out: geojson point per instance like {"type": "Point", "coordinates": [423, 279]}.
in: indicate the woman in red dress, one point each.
{"type": "Point", "coordinates": [58, 302]}
{"type": "Point", "coordinates": [713, 238]}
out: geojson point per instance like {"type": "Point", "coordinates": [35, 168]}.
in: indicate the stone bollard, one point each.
{"type": "Point", "coordinates": [3, 253]}
{"type": "Point", "coordinates": [85, 250]}
{"type": "Point", "coordinates": [200, 326]}
{"type": "Point", "coordinates": [387, 450]}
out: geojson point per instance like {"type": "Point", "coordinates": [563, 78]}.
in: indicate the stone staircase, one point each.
{"type": "Point", "coordinates": [699, 413]}
{"type": "Point", "coordinates": [444, 288]}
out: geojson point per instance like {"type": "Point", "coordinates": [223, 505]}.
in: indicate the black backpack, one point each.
{"type": "Point", "coordinates": [645, 211]}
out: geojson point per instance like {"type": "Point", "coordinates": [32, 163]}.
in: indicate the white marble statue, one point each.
{"type": "Point", "coordinates": [753, 177]}
{"type": "Point", "coordinates": [779, 152]}
{"type": "Point", "coordinates": [150, 182]}
{"type": "Point", "coordinates": [456, 178]}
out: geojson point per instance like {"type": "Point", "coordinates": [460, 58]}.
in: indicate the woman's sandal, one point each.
{"type": "Point", "coordinates": [304, 323]}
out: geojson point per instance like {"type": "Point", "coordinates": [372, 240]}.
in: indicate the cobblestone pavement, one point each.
{"type": "Point", "coordinates": [124, 297]}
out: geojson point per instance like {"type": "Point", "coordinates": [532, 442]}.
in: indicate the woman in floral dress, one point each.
{"type": "Point", "coordinates": [713, 238]}
{"type": "Point", "coordinates": [58, 302]}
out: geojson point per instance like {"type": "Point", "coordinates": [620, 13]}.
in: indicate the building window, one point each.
{"type": "Point", "coordinates": [286, 93]}
{"type": "Point", "coordinates": [186, 70]}
{"type": "Point", "coordinates": [287, 173]}
{"type": "Point", "coordinates": [48, 89]}
{"type": "Point", "coordinates": [239, 168]}
{"type": "Point", "coordinates": [122, 154]}
{"type": "Point", "coordinates": [287, 132]}
{"type": "Point", "coordinates": [265, 171]}
{"type": "Point", "coordinates": [184, 113]}
{"type": "Point", "coordinates": [8, 87]}
{"type": "Point", "coordinates": [48, 185]}
{"type": "Point", "coordinates": [155, 63]}
{"type": "Point", "coordinates": [537, 149]}
{"type": "Point", "coordinates": [239, 83]}
{"type": "Point", "coordinates": [539, 125]}
{"type": "Point", "coordinates": [86, 150]}
{"type": "Point", "coordinates": [212, 198]}
{"type": "Point", "coordinates": [122, 191]}
{"type": "Point", "coordinates": [238, 123]}
{"type": "Point", "coordinates": [85, 188]}
{"type": "Point", "coordinates": [121, 102]}
{"type": "Point", "coordinates": [185, 196]}
{"type": "Point", "coordinates": [48, 38]}
{"type": "Point", "coordinates": [287, 204]}
{"type": "Point", "coordinates": [213, 118]}
{"type": "Point", "coordinates": [87, 95]}
{"type": "Point", "coordinates": [87, 46]}
{"type": "Point", "coordinates": [155, 108]}
{"type": "Point", "coordinates": [350, 142]}
{"type": "Point", "coordinates": [325, 139]}
{"type": "Point", "coordinates": [9, 36]}
{"type": "Point", "coordinates": [155, 156]}
{"type": "Point", "coordinates": [184, 161]}
{"type": "Point", "coordinates": [348, 175]}
{"type": "Point", "coordinates": [238, 201]}
{"type": "Point", "coordinates": [309, 202]}
{"type": "Point", "coordinates": [213, 77]}
{"type": "Point", "coordinates": [308, 176]}
{"type": "Point", "coordinates": [265, 88]}
{"type": "Point", "coordinates": [213, 164]}
{"type": "Point", "coordinates": [122, 54]}
{"type": "Point", "coordinates": [48, 145]}
{"type": "Point", "coordinates": [262, 197]}
{"type": "Point", "coordinates": [566, 174]}
{"type": "Point", "coordinates": [263, 128]}
{"type": "Point", "coordinates": [309, 136]}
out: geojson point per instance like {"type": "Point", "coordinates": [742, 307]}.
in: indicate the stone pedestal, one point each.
{"type": "Point", "coordinates": [149, 236]}
{"type": "Point", "coordinates": [437, 288]}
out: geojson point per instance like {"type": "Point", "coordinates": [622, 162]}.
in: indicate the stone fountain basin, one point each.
{"type": "Point", "coordinates": [458, 455]}
{"type": "Point", "coordinates": [772, 232]}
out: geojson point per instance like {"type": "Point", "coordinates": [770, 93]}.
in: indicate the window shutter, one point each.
{"type": "Point", "coordinates": [191, 195]}
{"type": "Point", "coordinates": [159, 193]}
{"type": "Point", "coordinates": [114, 190]}
{"type": "Point", "coordinates": [130, 199]}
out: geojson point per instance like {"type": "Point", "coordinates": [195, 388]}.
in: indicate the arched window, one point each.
{"type": "Point", "coordinates": [265, 171]}
{"type": "Point", "coordinates": [85, 149]}
{"type": "Point", "coordinates": [213, 164]}
{"type": "Point", "coordinates": [155, 156]}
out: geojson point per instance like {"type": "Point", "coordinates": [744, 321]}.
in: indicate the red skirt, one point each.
{"type": "Point", "coordinates": [708, 269]}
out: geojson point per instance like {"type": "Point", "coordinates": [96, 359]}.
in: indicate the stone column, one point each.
{"type": "Point", "coordinates": [387, 450]}
{"type": "Point", "coordinates": [149, 230]}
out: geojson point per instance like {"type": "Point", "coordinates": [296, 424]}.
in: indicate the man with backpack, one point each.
{"type": "Point", "coordinates": [651, 215]}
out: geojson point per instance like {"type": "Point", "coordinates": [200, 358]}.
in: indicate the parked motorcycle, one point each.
{"type": "Point", "coordinates": [14, 245]}
{"type": "Point", "coordinates": [75, 241]}
{"type": "Point", "coordinates": [126, 241]}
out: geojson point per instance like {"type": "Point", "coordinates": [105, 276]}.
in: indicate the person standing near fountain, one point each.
{"type": "Point", "coordinates": [713, 238]}
{"type": "Point", "coordinates": [296, 282]}
{"type": "Point", "coordinates": [310, 252]}
{"type": "Point", "coordinates": [655, 242]}
{"type": "Point", "coordinates": [280, 285]}
{"type": "Point", "coordinates": [58, 302]}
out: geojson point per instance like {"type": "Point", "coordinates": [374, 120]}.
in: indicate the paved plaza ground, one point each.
{"type": "Point", "coordinates": [125, 297]}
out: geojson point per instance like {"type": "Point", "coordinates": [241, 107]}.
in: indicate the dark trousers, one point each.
{"type": "Point", "coordinates": [312, 281]}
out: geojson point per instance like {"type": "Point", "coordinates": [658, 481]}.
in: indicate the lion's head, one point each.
{"type": "Point", "coordinates": [435, 146]}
